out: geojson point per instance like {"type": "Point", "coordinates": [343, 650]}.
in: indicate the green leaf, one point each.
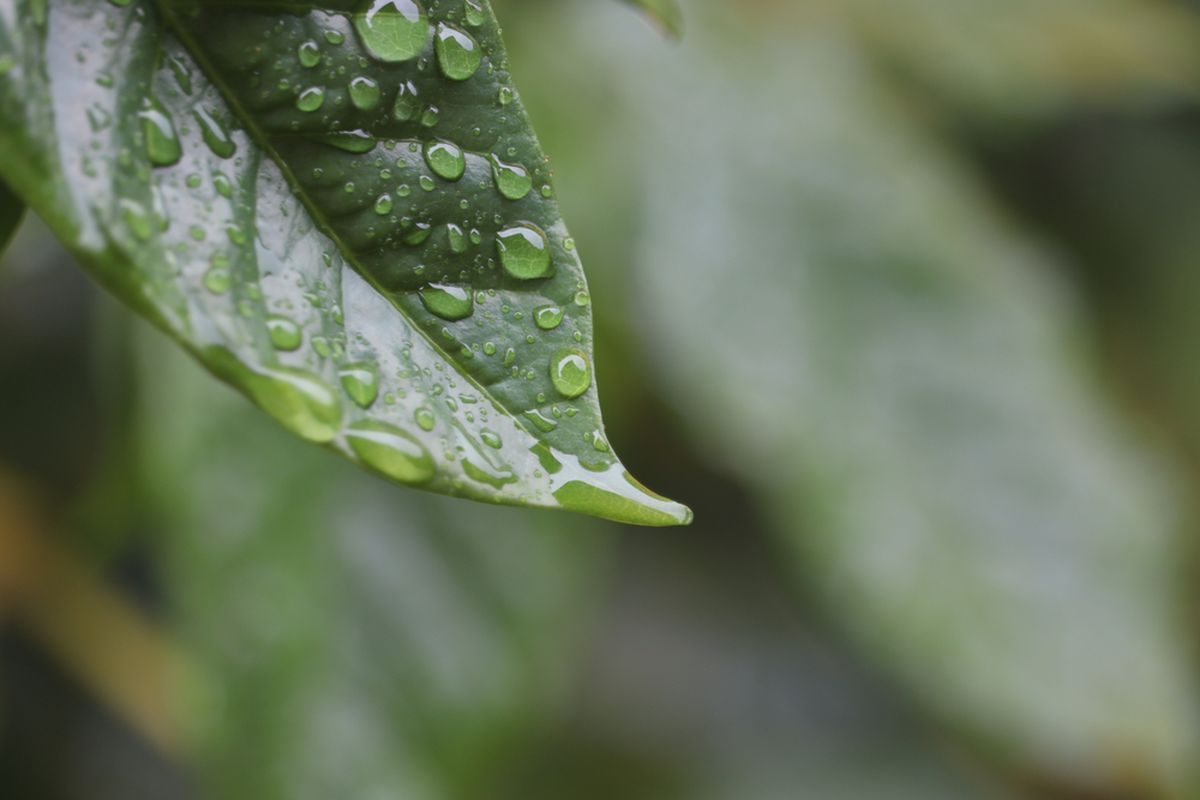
{"type": "Point", "coordinates": [921, 424]}
{"type": "Point", "coordinates": [665, 13]}
{"type": "Point", "coordinates": [346, 216]}
{"type": "Point", "coordinates": [11, 211]}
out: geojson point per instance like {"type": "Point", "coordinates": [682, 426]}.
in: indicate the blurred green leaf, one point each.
{"type": "Point", "coordinates": [922, 425]}
{"type": "Point", "coordinates": [11, 211]}
{"type": "Point", "coordinates": [369, 249]}
{"type": "Point", "coordinates": [345, 642]}
{"type": "Point", "coordinates": [665, 13]}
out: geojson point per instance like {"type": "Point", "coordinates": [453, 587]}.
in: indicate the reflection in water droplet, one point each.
{"type": "Point", "coordinates": [512, 180]}
{"type": "Point", "coordinates": [458, 239]}
{"type": "Point", "coordinates": [311, 98]}
{"type": "Point", "coordinates": [158, 130]}
{"type": "Point", "coordinates": [392, 30]}
{"type": "Point", "coordinates": [364, 93]}
{"type": "Point", "coordinates": [524, 251]}
{"type": "Point", "coordinates": [459, 55]}
{"type": "Point", "coordinates": [407, 102]}
{"type": "Point", "coordinates": [446, 159]}
{"type": "Point", "coordinates": [391, 451]}
{"type": "Point", "coordinates": [425, 418]}
{"type": "Point", "coordinates": [383, 205]}
{"type": "Point", "coordinates": [361, 382]}
{"type": "Point", "coordinates": [448, 302]}
{"type": "Point", "coordinates": [214, 133]}
{"type": "Point", "coordinates": [570, 372]}
{"type": "Point", "coordinates": [309, 54]}
{"type": "Point", "coordinates": [548, 317]}
{"type": "Point", "coordinates": [491, 439]}
{"type": "Point", "coordinates": [285, 334]}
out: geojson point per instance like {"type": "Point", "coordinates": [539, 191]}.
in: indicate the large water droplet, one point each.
{"type": "Point", "coordinates": [361, 382]}
{"type": "Point", "coordinates": [162, 142]}
{"type": "Point", "coordinates": [364, 93]}
{"type": "Point", "coordinates": [524, 251]}
{"type": "Point", "coordinates": [459, 55]}
{"type": "Point", "coordinates": [392, 30]}
{"type": "Point", "coordinates": [448, 302]}
{"type": "Point", "coordinates": [446, 159]}
{"type": "Point", "coordinates": [214, 133]}
{"type": "Point", "coordinates": [390, 451]}
{"type": "Point", "coordinates": [311, 98]}
{"type": "Point", "coordinates": [512, 180]}
{"type": "Point", "coordinates": [570, 372]}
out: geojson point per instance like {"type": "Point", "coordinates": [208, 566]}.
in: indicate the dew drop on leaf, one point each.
{"type": "Point", "coordinates": [391, 451]}
{"type": "Point", "coordinates": [570, 372]}
{"type": "Point", "coordinates": [392, 30]}
{"type": "Point", "coordinates": [524, 251]}
{"type": "Point", "coordinates": [512, 180]}
{"type": "Point", "coordinates": [364, 93]}
{"type": "Point", "coordinates": [214, 133]}
{"type": "Point", "coordinates": [311, 98]}
{"type": "Point", "coordinates": [425, 419]}
{"type": "Point", "coordinates": [158, 129]}
{"type": "Point", "coordinates": [475, 15]}
{"type": "Point", "coordinates": [548, 317]}
{"type": "Point", "coordinates": [448, 302]}
{"type": "Point", "coordinates": [285, 334]}
{"type": "Point", "coordinates": [459, 55]}
{"type": "Point", "coordinates": [361, 382]}
{"type": "Point", "coordinates": [408, 103]}
{"type": "Point", "coordinates": [309, 54]}
{"type": "Point", "coordinates": [446, 159]}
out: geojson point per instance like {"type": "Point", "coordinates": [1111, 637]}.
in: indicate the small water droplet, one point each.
{"type": "Point", "coordinates": [459, 55]}
{"type": "Point", "coordinates": [540, 421]}
{"type": "Point", "coordinates": [214, 133]}
{"type": "Point", "coordinates": [548, 317]}
{"type": "Point", "coordinates": [446, 159]}
{"type": "Point", "coordinates": [512, 180]}
{"type": "Point", "coordinates": [285, 334]}
{"type": "Point", "coordinates": [392, 30]}
{"type": "Point", "coordinates": [570, 372]}
{"type": "Point", "coordinates": [448, 302]}
{"type": "Point", "coordinates": [311, 98]}
{"type": "Point", "coordinates": [361, 382]}
{"type": "Point", "coordinates": [475, 14]}
{"type": "Point", "coordinates": [383, 205]}
{"type": "Point", "coordinates": [309, 54]}
{"type": "Point", "coordinates": [430, 117]}
{"type": "Point", "coordinates": [162, 142]}
{"type": "Point", "coordinates": [222, 185]}
{"type": "Point", "coordinates": [334, 37]}
{"type": "Point", "coordinates": [425, 418]}
{"type": "Point", "coordinates": [505, 95]}
{"type": "Point", "coordinates": [408, 103]}
{"type": "Point", "coordinates": [135, 216]}
{"type": "Point", "coordinates": [524, 251]}
{"type": "Point", "coordinates": [391, 451]}
{"type": "Point", "coordinates": [491, 439]}
{"type": "Point", "coordinates": [364, 93]}
{"type": "Point", "coordinates": [351, 141]}
{"type": "Point", "coordinates": [458, 239]}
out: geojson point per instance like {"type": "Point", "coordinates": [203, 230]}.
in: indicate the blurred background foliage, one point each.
{"type": "Point", "coordinates": [900, 295]}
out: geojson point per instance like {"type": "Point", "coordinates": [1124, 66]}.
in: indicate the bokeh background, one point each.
{"type": "Point", "coordinates": [901, 296]}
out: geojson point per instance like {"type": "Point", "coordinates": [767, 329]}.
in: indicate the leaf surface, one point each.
{"type": "Point", "coordinates": [667, 14]}
{"type": "Point", "coordinates": [344, 213]}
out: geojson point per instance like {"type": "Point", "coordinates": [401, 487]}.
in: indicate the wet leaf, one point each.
{"type": "Point", "coordinates": [343, 212]}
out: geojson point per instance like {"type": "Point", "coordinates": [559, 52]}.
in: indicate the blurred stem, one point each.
{"type": "Point", "coordinates": [91, 631]}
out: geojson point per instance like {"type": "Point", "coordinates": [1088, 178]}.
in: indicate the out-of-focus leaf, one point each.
{"type": "Point", "coordinates": [898, 375]}
{"type": "Point", "coordinates": [1023, 57]}
{"type": "Point", "coordinates": [665, 13]}
{"type": "Point", "coordinates": [345, 644]}
{"type": "Point", "coordinates": [347, 216]}
{"type": "Point", "coordinates": [11, 211]}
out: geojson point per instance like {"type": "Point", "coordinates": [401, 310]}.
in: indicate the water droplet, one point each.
{"type": "Point", "coordinates": [491, 439]}
{"type": "Point", "coordinates": [285, 334]}
{"type": "Point", "coordinates": [599, 443]}
{"type": "Point", "coordinates": [448, 302]}
{"type": "Point", "coordinates": [214, 133]}
{"type": "Point", "coordinates": [548, 317]}
{"type": "Point", "coordinates": [391, 451]}
{"type": "Point", "coordinates": [392, 30]}
{"type": "Point", "coordinates": [162, 143]}
{"type": "Point", "coordinates": [361, 382]}
{"type": "Point", "coordinates": [383, 205]}
{"type": "Point", "coordinates": [540, 421]}
{"type": "Point", "coordinates": [182, 71]}
{"type": "Point", "coordinates": [425, 418]}
{"type": "Point", "coordinates": [495, 477]}
{"type": "Point", "coordinates": [419, 234]}
{"type": "Point", "coordinates": [311, 98]}
{"type": "Point", "coordinates": [351, 141]}
{"type": "Point", "coordinates": [582, 298]}
{"type": "Point", "coordinates": [524, 251]}
{"type": "Point", "coordinates": [334, 37]}
{"type": "Point", "coordinates": [222, 185]}
{"type": "Point", "coordinates": [309, 54]}
{"type": "Point", "coordinates": [407, 102]}
{"type": "Point", "coordinates": [459, 55]}
{"type": "Point", "coordinates": [475, 14]}
{"type": "Point", "coordinates": [446, 159]}
{"type": "Point", "coordinates": [135, 216]}
{"type": "Point", "coordinates": [458, 239]}
{"type": "Point", "coordinates": [570, 372]}
{"type": "Point", "coordinates": [364, 93]}
{"type": "Point", "coordinates": [512, 180]}
{"type": "Point", "coordinates": [426, 183]}
{"type": "Point", "coordinates": [430, 117]}
{"type": "Point", "coordinates": [505, 95]}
